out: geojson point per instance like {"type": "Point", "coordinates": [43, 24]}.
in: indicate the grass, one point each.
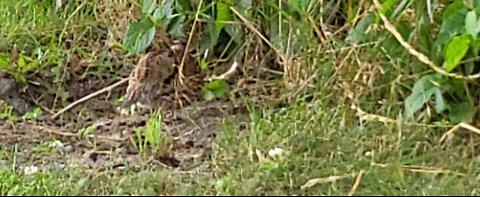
{"type": "Point", "coordinates": [315, 145]}
{"type": "Point", "coordinates": [317, 135]}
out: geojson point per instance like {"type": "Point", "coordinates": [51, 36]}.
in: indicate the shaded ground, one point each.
{"type": "Point", "coordinates": [188, 132]}
{"type": "Point", "coordinates": [102, 133]}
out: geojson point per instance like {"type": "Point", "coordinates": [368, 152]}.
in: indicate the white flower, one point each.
{"type": "Point", "coordinates": [56, 144]}
{"type": "Point", "coordinates": [30, 170]}
{"type": "Point", "coordinates": [276, 153]}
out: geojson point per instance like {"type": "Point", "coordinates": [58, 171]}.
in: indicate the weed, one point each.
{"type": "Point", "coordinates": [152, 139]}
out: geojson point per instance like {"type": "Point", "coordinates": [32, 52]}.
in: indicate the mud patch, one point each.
{"type": "Point", "coordinates": [107, 143]}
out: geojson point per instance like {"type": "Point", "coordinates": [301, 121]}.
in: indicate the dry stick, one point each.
{"type": "Point", "coordinates": [313, 182]}
{"type": "Point", "coordinates": [422, 169]}
{"type": "Point", "coordinates": [180, 69]}
{"type": "Point", "coordinates": [364, 116]}
{"type": "Point", "coordinates": [90, 96]}
{"type": "Point", "coordinates": [414, 52]}
{"type": "Point", "coordinates": [252, 28]}
{"type": "Point", "coordinates": [356, 184]}
{"type": "Point", "coordinates": [456, 127]}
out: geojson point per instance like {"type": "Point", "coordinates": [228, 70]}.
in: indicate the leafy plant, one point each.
{"type": "Point", "coordinates": [455, 46]}
{"type": "Point", "coordinates": [140, 34]}
{"type": "Point", "coordinates": [458, 36]}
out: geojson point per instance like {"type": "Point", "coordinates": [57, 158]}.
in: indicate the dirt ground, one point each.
{"type": "Point", "coordinates": [97, 134]}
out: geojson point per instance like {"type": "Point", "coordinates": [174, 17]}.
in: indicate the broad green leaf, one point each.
{"type": "Point", "coordinates": [358, 33]}
{"type": "Point", "coordinates": [148, 6]}
{"type": "Point", "coordinates": [208, 95]}
{"type": "Point", "coordinates": [223, 15]}
{"type": "Point", "coordinates": [387, 6]}
{"type": "Point", "coordinates": [244, 7]}
{"type": "Point", "coordinates": [386, 9]}
{"type": "Point", "coordinates": [175, 27]}
{"type": "Point", "coordinates": [182, 5]}
{"type": "Point", "coordinates": [215, 89]}
{"type": "Point", "coordinates": [440, 105]}
{"type": "Point", "coordinates": [456, 49]}
{"type": "Point", "coordinates": [235, 33]}
{"type": "Point", "coordinates": [422, 92]}
{"type": "Point", "coordinates": [461, 112]}
{"type": "Point", "coordinates": [205, 42]}
{"type": "Point", "coordinates": [475, 47]}
{"type": "Point", "coordinates": [139, 36]}
{"type": "Point", "coordinates": [471, 24]}
{"type": "Point", "coordinates": [453, 24]}
{"type": "Point", "coordinates": [163, 14]}
{"type": "Point", "coordinates": [452, 8]}
{"type": "Point", "coordinates": [478, 26]}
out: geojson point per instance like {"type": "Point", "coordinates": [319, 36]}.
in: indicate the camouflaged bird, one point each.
{"type": "Point", "coordinates": [146, 81]}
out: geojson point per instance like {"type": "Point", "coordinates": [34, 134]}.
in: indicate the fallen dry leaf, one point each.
{"type": "Point", "coordinates": [312, 182]}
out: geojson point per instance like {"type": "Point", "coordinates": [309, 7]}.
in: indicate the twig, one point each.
{"type": "Point", "coordinates": [180, 69]}
{"type": "Point", "coordinates": [364, 116]}
{"type": "Point", "coordinates": [422, 169]}
{"type": "Point", "coordinates": [252, 28]}
{"type": "Point", "coordinates": [224, 75]}
{"type": "Point", "coordinates": [90, 96]}
{"type": "Point", "coordinates": [356, 184]}
{"type": "Point", "coordinates": [312, 182]}
{"type": "Point", "coordinates": [414, 52]}
{"type": "Point", "coordinates": [456, 127]}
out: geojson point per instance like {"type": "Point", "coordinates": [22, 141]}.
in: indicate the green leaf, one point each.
{"type": "Point", "coordinates": [471, 24]}
{"type": "Point", "coordinates": [461, 112]}
{"type": "Point", "coordinates": [243, 6]}
{"type": "Point", "coordinates": [203, 64]}
{"type": "Point", "coordinates": [456, 49]}
{"type": "Point", "coordinates": [358, 34]}
{"type": "Point", "coordinates": [269, 165]}
{"type": "Point", "coordinates": [215, 89]}
{"type": "Point", "coordinates": [440, 105]}
{"type": "Point", "coordinates": [139, 36]}
{"type": "Point", "coordinates": [175, 27]}
{"type": "Point", "coordinates": [452, 24]}
{"type": "Point", "coordinates": [386, 9]}
{"type": "Point", "coordinates": [475, 47]}
{"type": "Point", "coordinates": [208, 95]}
{"type": "Point", "coordinates": [148, 6]}
{"type": "Point", "coordinates": [223, 15]}
{"type": "Point", "coordinates": [163, 14]}
{"type": "Point", "coordinates": [183, 5]}
{"type": "Point", "coordinates": [387, 6]}
{"type": "Point", "coordinates": [422, 92]}
{"type": "Point", "coordinates": [452, 8]}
